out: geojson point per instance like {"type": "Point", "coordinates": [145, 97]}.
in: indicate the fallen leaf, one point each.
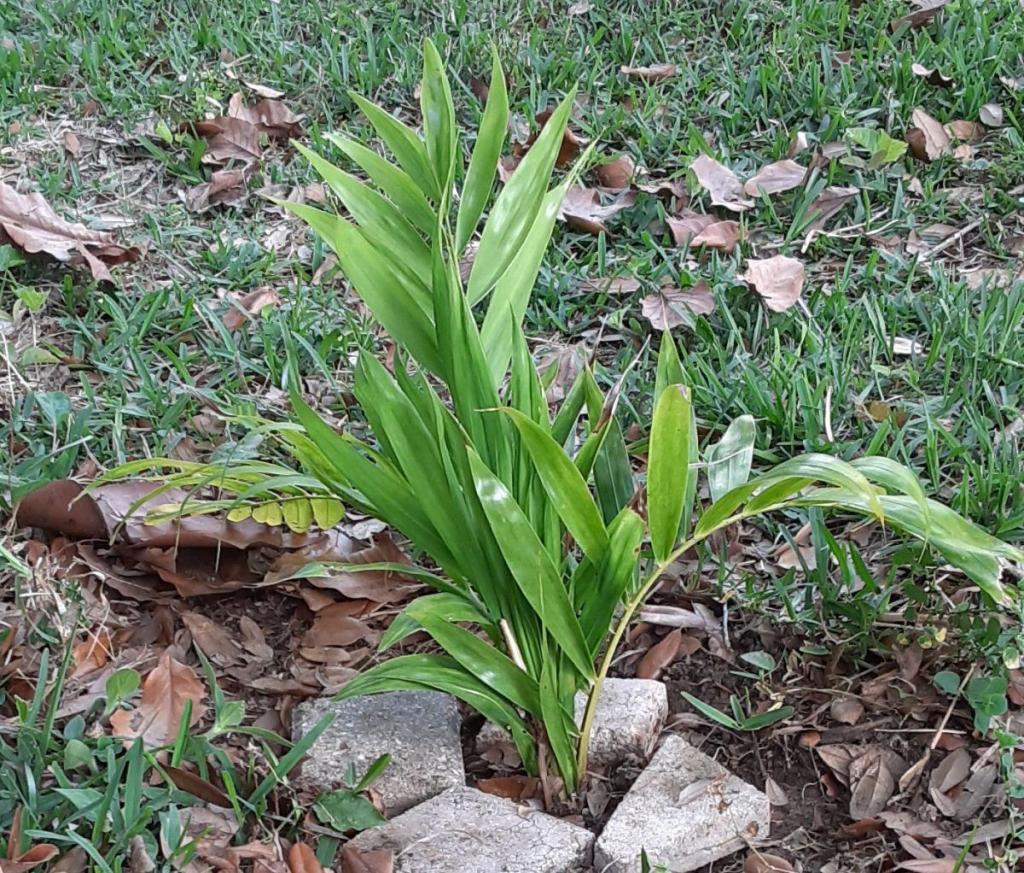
{"type": "Point", "coordinates": [660, 655]}
{"type": "Point", "coordinates": [775, 793]}
{"type": "Point", "coordinates": [932, 865]}
{"type": "Point", "coordinates": [36, 855]}
{"type": "Point", "coordinates": [228, 139]}
{"type": "Point", "coordinates": [762, 862]}
{"type": "Point", "coordinates": [354, 861]}
{"type": "Point", "coordinates": [28, 222]}
{"type": "Point", "coordinates": [249, 306]}
{"type": "Point", "coordinates": [966, 131]}
{"type": "Point", "coordinates": [775, 178]}
{"type": "Point", "coordinates": [655, 73]}
{"type": "Point", "coordinates": [847, 710]}
{"type": "Point", "coordinates": [72, 145]}
{"type": "Point", "coordinates": [263, 90]}
{"type": "Point", "coordinates": [167, 689]}
{"type": "Point", "coordinates": [991, 115]}
{"type": "Point", "coordinates": [932, 77]}
{"type": "Point", "coordinates": [672, 307]}
{"type": "Point", "coordinates": [302, 859]}
{"type": "Point", "coordinates": [225, 188]}
{"type": "Point", "coordinates": [515, 787]}
{"type": "Point", "coordinates": [979, 789]}
{"type": "Point", "coordinates": [778, 280]}
{"type": "Point", "coordinates": [721, 236]}
{"type": "Point", "coordinates": [213, 640]}
{"type": "Point", "coordinates": [90, 654]}
{"type": "Point", "coordinates": [253, 639]}
{"type": "Point", "coordinates": [720, 182]}
{"type": "Point", "coordinates": [616, 174]}
{"type": "Point", "coordinates": [925, 13]}
{"type": "Point", "coordinates": [871, 792]}
{"type": "Point", "coordinates": [951, 771]}
{"type": "Point", "coordinates": [927, 138]}
{"type": "Point", "coordinates": [610, 285]}
{"type": "Point", "coordinates": [334, 626]}
{"type": "Point", "coordinates": [568, 151]}
{"type": "Point", "coordinates": [185, 780]}
{"type": "Point", "coordinates": [665, 188]}
{"type": "Point", "coordinates": [268, 116]}
{"type": "Point", "coordinates": [74, 861]}
{"type": "Point", "coordinates": [688, 225]}
{"type": "Point", "coordinates": [582, 210]}
{"type": "Point", "coordinates": [827, 204]}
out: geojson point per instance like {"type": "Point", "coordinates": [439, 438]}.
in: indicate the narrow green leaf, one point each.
{"type": "Point", "coordinates": [438, 117]}
{"type": "Point", "coordinates": [669, 371]}
{"type": "Point", "coordinates": [564, 485]}
{"type": "Point", "coordinates": [404, 144]}
{"type": "Point", "coordinates": [447, 606]}
{"type": "Point", "coordinates": [530, 565]}
{"type": "Point", "coordinates": [395, 183]}
{"type": "Point", "coordinates": [613, 473]}
{"type": "Point", "coordinates": [517, 206]}
{"type": "Point", "coordinates": [612, 579]}
{"type": "Point", "coordinates": [668, 468]}
{"type": "Point", "coordinates": [483, 165]}
{"type": "Point", "coordinates": [558, 723]}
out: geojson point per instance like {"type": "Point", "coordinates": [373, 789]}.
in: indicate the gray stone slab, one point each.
{"type": "Point", "coordinates": [629, 718]}
{"type": "Point", "coordinates": [419, 729]}
{"type": "Point", "coordinates": [686, 810]}
{"type": "Point", "coordinates": [465, 830]}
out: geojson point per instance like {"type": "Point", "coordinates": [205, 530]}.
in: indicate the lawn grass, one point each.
{"type": "Point", "coordinates": [139, 361]}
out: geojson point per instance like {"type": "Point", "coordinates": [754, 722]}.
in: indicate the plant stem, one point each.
{"type": "Point", "coordinates": [620, 629]}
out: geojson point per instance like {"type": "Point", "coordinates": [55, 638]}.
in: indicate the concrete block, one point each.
{"type": "Point", "coordinates": [686, 810]}
{"type": "Point", "coordinates": [465, 830]}
{"type": "Point", "coordinates": [419, 729]}
{"type": "Point", "coordinates": [629, 718]}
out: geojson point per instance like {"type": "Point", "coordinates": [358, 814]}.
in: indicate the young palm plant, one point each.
{"type": "Point", "coordinates": [530, 517]}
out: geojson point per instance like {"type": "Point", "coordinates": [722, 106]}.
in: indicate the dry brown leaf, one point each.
{"type": "Point", "coordinates": [185, 780]}
{"type": "Point", "coordinates": [778, 280]}
{"type": "Point", "coordinates": [582, 210]}
{"type": "Point", "coordinates": [253, 639]}
{"type": "Point", "coordinates": [90, 654]}
{"type": "Point", "coordinates": [568, 151]}
{"type": "Point", "coordinates": [228, 139]}
{"type": "Point", "coordinates": [979, 789]}
{"type": "Point", "coordinates": [263, 90]}
{"type": "Point", "coordinates": [72, 145]}
{"type": "Point", "coordinates": [268, 116]}
{"type": "Point", "coordinates": [665, 188]}
{"type": "Point", "coordinates": [775, 793]}
{"type": "Point", "coordinates": [672, 307]}
{"type": "Point", "coordinates": [950, 772]}
{"type": "Point", "coordinates": [354, 861]}
{"type": "Point", "coordinates": [688, 225]}
{"type": "Point", "coordinates": [775, 178]}
{"type": "Point", "coordinates": [847, 710]}
{"type": "Point", "coordinates": [74, 861]}
{"type": "Point", "coordinates": [660, 655]}
{"type": "Point", "coordinates": [828, 203]}
{"type": "Point", "coordinates": [655, 73]}
{"type": "Point", "coordinates": [927, 138]}
{"type": "Point", "coordinates": [167, 689]}
{"type": "Point", "coordinates": [213, 639]}
{"type": "Point", "coordinates": [36, 855]}
{"type": "Point", "coordinates": [610, 285]}
{"type": "Point", "coordinates": [720, 182]}
{"type": "Point", "coordinates": [991, 115]}
{"type": "Point", "coordinates": [932, 865]}
{"type": "Point", "coordinates": [334, 626]}
{"type": "Point", "coordinates": [616, 174]}
{"type": "Point", "coordinates": [871, 792]}
{"type": "Point", "coordinates": [225, 188]}
{"type": "Point", "coordinates": [302, 859]}
{"type": "Point", "coordinates": [28, 222]}
{"type": "Point", "coordinates": [925, 13]}
{"type": "Point", "coordinates": [762, 862]}
{"type": "Point", "coordinates": [932, 77]}
{"type": "Point", "coordinates": [721, 236]}
{"type": "Point", "coordinates": [965, 131]}
{"type": "Point", "coordinates": [249, 306]}
{"type": "Point", "coordinates": [520, 788]}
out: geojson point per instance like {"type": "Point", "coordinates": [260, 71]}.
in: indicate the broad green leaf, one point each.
{"type": "Point", "coordinates": [564, 486]}
{"type": "Point", "coordinates": [436, 672]}
{"type": "Point", "coordinates": [345, 810]}
{"type": "Point", "coordinates": [398, 305]}
{"type": "Point", "coordinates": [613, 578]}
{"type": "Point", "coordinates": [516, 209]}
{"type": "Point", "coordinates": [395, 183]}
{"type": "Point", "coordinates": [730, 458]}
{"type": "Point", "coordinates": [327, 511]}
{"type": "Point", "coordinates": [613, 473]}
{"type": "Point", "coordinates": [531, 567]}
{"type": "Point", "coordinates": [669, 371]}
{"type": "Point", "coordinates": [668, 468]}
{"type": "Point", "coordinates": [483, 165]}
{"type": "Point", "coordinates": [404, 144]}
{"type": "Point", "coordinates": [298, 514]}
{"type": "Point", "coordinates": [438, 117]}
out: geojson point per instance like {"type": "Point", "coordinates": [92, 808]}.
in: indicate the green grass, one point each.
{"type": "Point", "coordinates": [140, 360]}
